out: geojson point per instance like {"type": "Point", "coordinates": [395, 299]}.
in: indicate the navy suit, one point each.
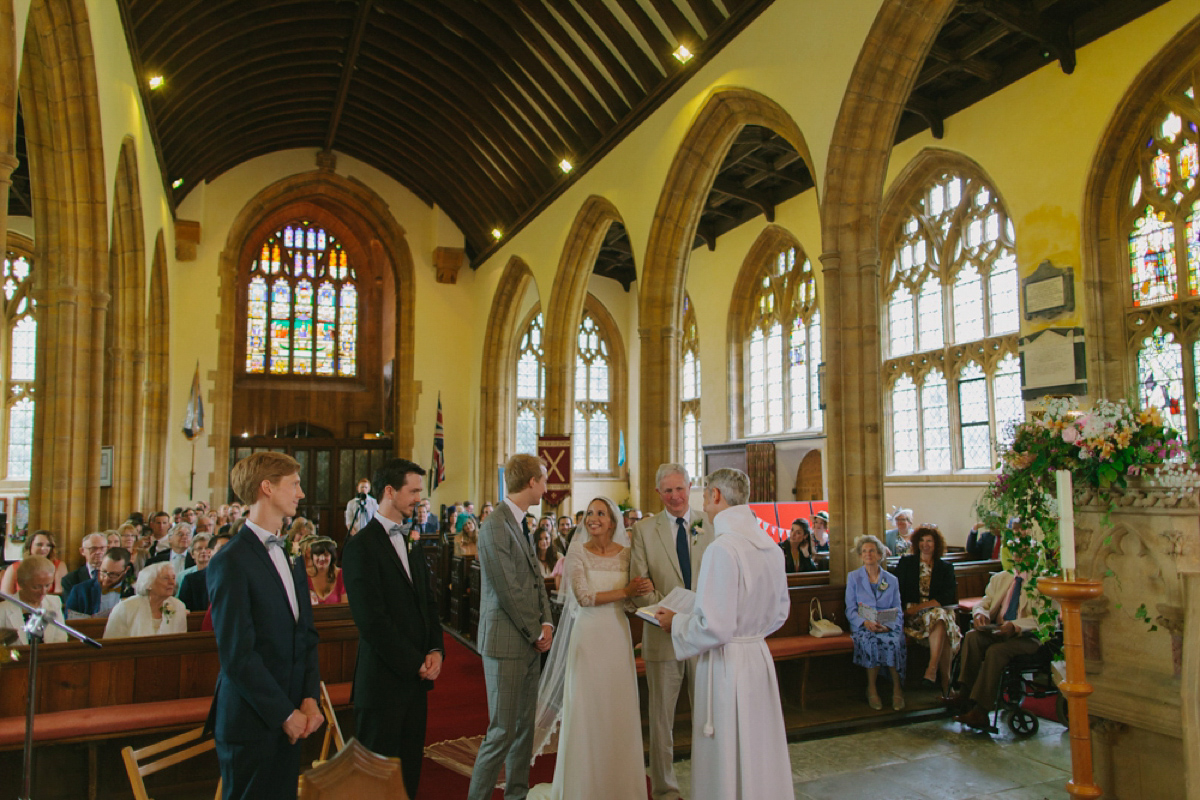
{"type": "Point", "coordinates": [268, 667]}
{"type": "Point", "coordinates": [194, 590]}
{"type": "Point", "coordinates": [85, 597]}
{"type": "Point", "coordinates": [74, 578]}
{"type": "Point", "coordinates": [398, 627]}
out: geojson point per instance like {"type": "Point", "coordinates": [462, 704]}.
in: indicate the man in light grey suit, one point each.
{"type": "Point", "coordinates": [667, 548]}
{"type": "Point", "coordinates": [515, 628]}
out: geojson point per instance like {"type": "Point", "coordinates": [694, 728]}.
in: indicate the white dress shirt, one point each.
{"type": "Point", "coordinates": [281, 566]}
{"type": "Point", "coordinates": [519, 515]}
{"type": "Point", "coordinates": [397, 541]}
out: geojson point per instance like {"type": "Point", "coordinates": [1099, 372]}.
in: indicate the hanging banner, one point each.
{"type": "Point", "coordinates": [556, 452]}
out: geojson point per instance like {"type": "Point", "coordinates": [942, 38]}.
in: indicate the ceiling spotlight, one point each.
{"type": "Point", "coordinates": [565, 166]}
{"type": "Point", "coordinates": [497, 234]}
{"type": "Point", "coordinates": [682, 55]}
{"type": "Point", "coordinates": [175, 184]}
{"type": "Point", "coordinates": [156, 81]}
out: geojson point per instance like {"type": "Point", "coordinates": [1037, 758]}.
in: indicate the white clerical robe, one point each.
{"type": "Point", "coordinates": [739, 747]}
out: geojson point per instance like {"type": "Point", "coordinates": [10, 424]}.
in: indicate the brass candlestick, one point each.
{"type": "Point", "coordinates": [1071, 594]}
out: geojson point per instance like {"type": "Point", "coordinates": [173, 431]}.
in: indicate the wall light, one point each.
{"type": "Point", "coordinates": [682, 55]}
{"type": "Point", "coordinates": [497, 234]}
{"type": "Point", "coordinates": [156, 81]}
{"type": "Point", "coordinates": [175, 184]}
{"type": "Point", "coordinates": [245, 434]}
{"type": "Point", "coordinates": [565, 166]}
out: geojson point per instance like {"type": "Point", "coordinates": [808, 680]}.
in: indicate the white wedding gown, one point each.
{"type": "Point", "coordinates": [600, 741]}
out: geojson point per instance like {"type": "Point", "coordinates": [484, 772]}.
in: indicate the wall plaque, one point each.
{"type": "Point", "coordinates": [1049, 291]}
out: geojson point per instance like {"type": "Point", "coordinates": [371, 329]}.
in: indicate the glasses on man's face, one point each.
{"type": "Point", "coordinates": [97, 549]}
{"type": "Point", "coordinates": [113, 576]}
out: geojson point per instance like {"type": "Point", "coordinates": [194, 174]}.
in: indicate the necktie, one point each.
{"type": "Point", "coordinates": [1014, 602]}
{"type": "Point", "coordinates": [681, 549]}
{"type": "Point", "coordinates": [528, 532]}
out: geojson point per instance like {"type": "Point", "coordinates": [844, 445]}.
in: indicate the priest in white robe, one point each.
{"type": "Point", "coordinates": [739, 747]}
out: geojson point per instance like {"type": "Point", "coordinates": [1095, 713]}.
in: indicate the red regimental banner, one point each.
{"type": "Point", "coordinates": [556, 452]}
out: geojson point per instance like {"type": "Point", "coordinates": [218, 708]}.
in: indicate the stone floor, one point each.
{"type": "Point", "coordinates": [935, 760]}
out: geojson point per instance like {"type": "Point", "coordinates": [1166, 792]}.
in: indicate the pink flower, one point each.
{"type": "Point", "coordinates": [1070, 434]}
{"type": "Point", "coordinates": [1133, 471]}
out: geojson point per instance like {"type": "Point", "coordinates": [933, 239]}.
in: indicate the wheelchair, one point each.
{"type": "Point", "coordinates": [1029, 676]}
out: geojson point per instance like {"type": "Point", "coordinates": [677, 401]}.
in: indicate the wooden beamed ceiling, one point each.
{"type": "Point", "coordinates": [472, 104]}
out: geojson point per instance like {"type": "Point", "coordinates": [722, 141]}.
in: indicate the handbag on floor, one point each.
{"type": "Point", "coordinates": [818, 626]}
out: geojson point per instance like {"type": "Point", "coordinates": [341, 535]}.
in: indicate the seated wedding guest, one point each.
{"type": "Point", "coordinates": [298, 531]}
{"type": "Point", "coordinates": [820, 532]}
{"type": "Point", "coordinates": [425, 521]}
{"type": "Point", "coordinates": [466, 543]}
{"type": "Point", "coordinates": [35, 579]}
{"type": "Point", "coordinates": [547, 554]}
{"type": "Point", "coordinates": [562, 539]}
{"type": "Point", "coordinates": [201, 551]}
{"type": "Point", "coordinates": [93, 548]}
{"type": "Point", "coordinates": [193, 588]}
{"type": "Point", "coordinates": [798, 550]}
{"type": "Point", "coordinates": [632, 517]}
{"type": "Point", "coordinates": [544, 525]}
{"type": "Point", "coordinates": [484, 510]}
{"type": "Point", "coordinates": [871, 589]}
{"type": "Point", "coordinates": [325, 584]}
{"type": "Point", "coordinates": [981, 543]}
{"type": "Point", "coordinates": [467, 509]}
{"type": "Point", "coordinates": [38, 543]}
{"type": "Point", "coordinates": [578, 518]}
{"type": "Point", "coordinates": [113, 539]}
{"type": "Point", "coordinates": [179, 542]}
{"type": "Point", "coordinates": [153, 611]}
{"type": "Point", "coordinates": [130, 537]}
{"type": "Point", "coordinates": [896, 539]}
{"type": "Point", "coordinates": [927, 585]}
{"type": "Point", "coordinates": [1003, 626]}
{"type": "Point", "coordinates": [160, 529]}
{"type": "Point", "coordinates": [205, 523]}
{"type": "Point", "coordinates": [101, 594]}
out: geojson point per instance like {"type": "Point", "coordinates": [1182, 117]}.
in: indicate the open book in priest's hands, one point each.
{"type": "Point", "coordinates": [680, 600]}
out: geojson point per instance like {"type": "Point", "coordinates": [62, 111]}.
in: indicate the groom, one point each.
{"type": "Point", "coordinates": [514, 630]}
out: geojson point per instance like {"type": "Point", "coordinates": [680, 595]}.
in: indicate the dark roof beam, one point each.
{"type": "Point", "coordinates": [658, 43]}
{"type": "Point", "coordinates": [627, 85]}
{"type": "Point", "coordinates": [761, 200]}
{"type": "Point", "coordinates": [678, 25]}
{"type": "Point", "coordinates": [348, 68]}
{"type": "Point", "coordinates": [709, 15]}
{"type": "Point", "coordinates": [928, 110]}
{"type": "Point", "coordinates": [283, 85]}
{"type": "Point", "coordinates": [633, 54]}
{"type": "Point", "coordinates": [1054, 37]}
{"type": "Point", "coordinates": [706, 231]}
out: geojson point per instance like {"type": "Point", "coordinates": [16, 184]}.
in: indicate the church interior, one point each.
{"type": "Point", "coordinates": [791, 236]}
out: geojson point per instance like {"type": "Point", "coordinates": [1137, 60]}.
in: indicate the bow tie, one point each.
{"type": "Point", "coordinates": [276, 541]}
{"type": "Point", "coordinates": [398, 530]}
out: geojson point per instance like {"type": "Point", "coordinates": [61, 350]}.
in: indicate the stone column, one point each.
{"type": "Point", "coordinates": [1189, 687]}
{"type": "Point", "coordinates": [659, 404]}
{"type": "Point", "coordinates": [8, 163]}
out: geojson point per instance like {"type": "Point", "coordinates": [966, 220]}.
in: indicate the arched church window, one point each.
{"type": "Point", "coordinates": [1161, 219]}
{"type": "Point", "coordinates": [20, 345]}
{"type": "Point", "coordinates": [531, 384]}
{"type": "Point", "coordinates": [593, 399]}
{"type": "Point", "coordinates": [689, 392]}
{"type": "Point", "coordinates": [784, 348]}
{"type": "Point", "coordinates": [950, 321]}
{"type": "Point", "coordinates": [302, 306]}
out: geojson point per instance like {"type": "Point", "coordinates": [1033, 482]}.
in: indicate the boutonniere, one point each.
{"type": "Point", "coordinates": [414, 538]}
{"type": "Point", "coordinates": [883, 584]}
{"type": "Point", "coordinates": [168, 611]}
{"type": "Point", "coordinates": [697, 526]}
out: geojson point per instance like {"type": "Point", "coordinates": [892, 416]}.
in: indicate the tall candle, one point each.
{"type": "Point", "coordinates": [1066, 520]}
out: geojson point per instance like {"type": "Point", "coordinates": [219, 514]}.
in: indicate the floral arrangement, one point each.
{"type": "Point", "coordinates": [1103, 449]}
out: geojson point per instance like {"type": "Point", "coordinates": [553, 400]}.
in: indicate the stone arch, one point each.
{"type": "Point", "coordinates": [1105, 254]}
{"type": "Point", "coordinates": [497, 390]}
{"type": "Point", "coordinates": [125, 343]}
{"type": "Point", "coordinates": [566, 306]}
{"type": "Point", "coordinates": [324, 195]}
{"type": "Point", "coordinates": [66, 164]}
{"type": "Point", "coordinates": [879, 86]}
{"type": "Point", "coordinates": [157, 386]}
{"type": "Point", "coordinates": [8, 106]}
{"type": "Point", "coordinates": [772, 239]}
{"type": "Point", "coordinates": [689, 180]}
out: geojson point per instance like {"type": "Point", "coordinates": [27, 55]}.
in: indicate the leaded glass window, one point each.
{"type": "Point", "coordinates": [19, 341]}
{"type": "Point", "coordinates": [593, 395]}
{"type": "Point", "coordinates": [1162, 225]}
{"type": "Point", "coordinates": [689, 391]}
{"type": "Point", "coordinates": [783, 351]}
{"type": "Point", "coordinates": [302, 306]}
{"type": "Point", "coordinates": [531, 385]}
{"type": "Point", "coordinates": [950, 288]}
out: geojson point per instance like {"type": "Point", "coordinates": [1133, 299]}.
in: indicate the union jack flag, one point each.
{"type": "Point", "coordinates": [437, 472]}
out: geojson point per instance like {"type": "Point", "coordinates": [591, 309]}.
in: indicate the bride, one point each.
{"type": "Point", "coordinates": [589, 683]}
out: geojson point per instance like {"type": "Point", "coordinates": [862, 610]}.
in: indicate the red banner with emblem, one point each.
{"type": "Point", "coordinates": [556, 452]}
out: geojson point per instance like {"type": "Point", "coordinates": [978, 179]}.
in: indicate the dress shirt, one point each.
{"type": "Point", "coordinates": [518, 514]}
{"type": "Point", "coordinates": [281, 565]}
{"type": "Point", "coordinates": [398, 542]}
{"type": "Point", "coordinates": [109, 600]}
{"type": "Point", "coordinates": [178, 561]}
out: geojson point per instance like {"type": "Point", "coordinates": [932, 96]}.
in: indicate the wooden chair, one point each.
{"type": "Point", "coordinates": [333, 731]}
{"type": "Point", "coordinates": [139, 763]}
{"type": "Point", "coordinates": [354, 773]}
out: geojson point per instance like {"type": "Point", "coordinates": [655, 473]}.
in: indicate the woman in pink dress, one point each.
{"type": "Point", "coordinates": [325, 579]}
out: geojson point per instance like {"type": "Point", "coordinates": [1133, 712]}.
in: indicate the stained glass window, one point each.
{"type": "Point", "coordinates": [18, 337]}
{"type": "Point", "coordinates": [951, 280]}
{"type": "Point", "coordinates": [531, 385]}
{"type": "Point", "coordinates": [1162, 225]}
{"type": "Point", "coordinates": [783, 354]}
{"type": "Point", "coordinates": [302, 306]}
{"type": "Point", "coordinates": [689, 391]}
{"type": "Point", "coordinates": [593, 412]}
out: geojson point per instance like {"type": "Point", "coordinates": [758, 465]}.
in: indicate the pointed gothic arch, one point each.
{"type": "Point", "coordinates": [323, 196]}
{"type": "Point", "coordinates": [497, 390]}
{"type": "Point", "coordinates": [157, 386]}
{"type": "Point", "coordinates": [664, 269]}
{"type": "Point", "coordinates": [66, 163]}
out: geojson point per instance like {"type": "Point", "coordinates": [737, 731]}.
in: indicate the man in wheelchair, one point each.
{"type": "Point", "coordinates": [1004, 627]}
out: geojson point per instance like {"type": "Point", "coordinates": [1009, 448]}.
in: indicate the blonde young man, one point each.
{"type": "Point", "coordinates": [667, 548]}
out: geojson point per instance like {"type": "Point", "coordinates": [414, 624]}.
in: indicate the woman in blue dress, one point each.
{"type": "Point", "coordinates": [871, 589]}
